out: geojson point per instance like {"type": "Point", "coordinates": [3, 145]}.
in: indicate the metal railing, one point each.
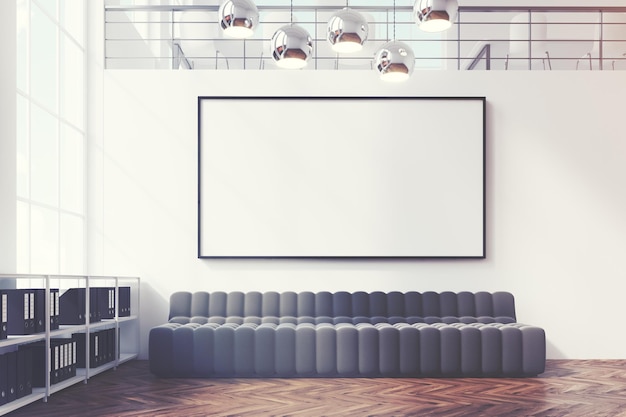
{"type": "Point", "coordinates": [488, 38]}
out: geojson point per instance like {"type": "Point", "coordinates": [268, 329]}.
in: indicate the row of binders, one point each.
{"type": "Point", "coordinates": [15, 375]}
{"type": "Point", "coordinates": [24, 310]}
{"type": "Point", "coordinates": [63, 360]}
{"type": "Point", "coordinates": [25, 368]}
{"type": "Point", "coordinates": [102, 346]}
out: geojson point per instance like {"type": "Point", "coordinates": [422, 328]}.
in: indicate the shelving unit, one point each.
{"type": "Point", "coordinates": [126, 327]}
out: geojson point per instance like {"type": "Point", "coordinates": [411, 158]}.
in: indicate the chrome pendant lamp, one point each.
{"type": "Point", "coordinates": [238, 18]}
{"type": "Point", "coordinates": [291, 46]}
{"type": "Point", "coordinates": [395, 60]}
{"type": "Point", "coordinates": [347, 31]}
{"type": "Point", "coordinates": [435, 15]}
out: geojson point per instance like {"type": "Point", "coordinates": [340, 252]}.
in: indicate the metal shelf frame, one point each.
{"type": "Point", "coordinates": [83, 281]}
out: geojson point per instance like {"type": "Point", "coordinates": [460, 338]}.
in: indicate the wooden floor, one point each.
{"type": "Point", "coordinates": [567, 388]}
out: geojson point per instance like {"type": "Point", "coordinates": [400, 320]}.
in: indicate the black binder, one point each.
{"type": "Point", "coordinates": [73, 358]}
{"type": "Point", "coordinates": [31, 309]}
{"type": "Point", "coordinates": [54, 308]}
{"type": "Point", "coordinates": [72, 306]}
{"type": "Point", "coordinates": [111, 293]}
{"type": "Point", "coordinates": [56, 373]}
{"type": "Point", "coordinates": [79, 339]}
{"type": "Point", "coordinates": [101, 348]}
{"type": "Point", "coordinates": [4, 384]}
{"type": "Point", "coordinates": [11, 375]}
{"type": "Point", "coordinates": [65, 369]}
{"type": "Point", "coordinates": [112, 301]}
{"type": "Point", "coordinates": [106, 302]}
{"type": "Point", "coordinates": [38, 352]}
{"type": "Point", "coordinates": [94, 309]}
{"type": "Point", "coordinates": [94, 349]}
{"type": "Point", "coordinates": [65, 359]}
{"type": "Point", "coordinates": [4, 306]}
{"type": "Point", "coordinates": [62, 361]}
{"type": "Point", "coordinates": [24, 371]}
{"type": "Point", "coordinates": [124, 301]}
{"type": "Point", "coordinates": [101, 344]}
{"type": "Point", "coordinates": [60, 352]}
{"type": "Point", "coordinates": [111, 345]}
{"type": "Point", "coordinates": [40, 310]}
{"type": "Point", "coordinates": [70, 362]}
{"type": "Point", "coordinates": [20, 314]}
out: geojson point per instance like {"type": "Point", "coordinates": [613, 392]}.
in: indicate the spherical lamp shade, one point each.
{"type": "Point", "coordinates": [238, 18]}
{"type": "Point", "coordinates": [435, 15]}
{"type": "Point", "coordinates": [347, 31]}
{"type": "Point", "coordinates": [291, 47]}
{"type": "Point", "coordinates": [394, 61]}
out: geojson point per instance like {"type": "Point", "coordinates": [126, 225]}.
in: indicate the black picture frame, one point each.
{"type": "Point", "coordinates": [224, 120]}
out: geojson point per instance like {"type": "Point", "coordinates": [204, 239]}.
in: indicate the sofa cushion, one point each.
{"type": "Point", "coordinates": [345, 334]}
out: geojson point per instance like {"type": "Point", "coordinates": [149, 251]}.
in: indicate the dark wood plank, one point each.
{"type": "Point", "coordinates": [567, 388]}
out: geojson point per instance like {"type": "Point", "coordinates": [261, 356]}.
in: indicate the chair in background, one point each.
{"type": "Point", "coordinates": [610, 39]}
{"type": "Point", "coordinates": [527, 41]}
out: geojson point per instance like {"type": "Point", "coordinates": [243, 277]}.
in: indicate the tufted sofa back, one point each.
{"type": "Point", "coordinates": [497, 305]}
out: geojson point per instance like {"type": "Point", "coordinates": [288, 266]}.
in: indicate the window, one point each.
{"type": "Point", "coordinates": [50, 99]}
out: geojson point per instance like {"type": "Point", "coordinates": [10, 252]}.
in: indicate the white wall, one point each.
{"type": "Point", "coordinates": [556, 196]}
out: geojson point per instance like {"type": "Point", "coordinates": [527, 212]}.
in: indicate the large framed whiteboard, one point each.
{"type": "Point", "coordinates": [341, 177]}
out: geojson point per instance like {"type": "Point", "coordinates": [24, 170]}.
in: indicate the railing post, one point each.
{"type": "Point", "coordinates": [458, 41]}
{"type": "Point", "coordinates": [601, 42]}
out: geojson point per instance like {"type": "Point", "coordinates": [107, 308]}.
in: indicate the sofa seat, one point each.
{"type": "Point", "coordinates": [447, 344]}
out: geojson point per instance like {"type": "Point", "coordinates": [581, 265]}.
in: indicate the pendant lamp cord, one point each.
{"type": "Point", "coordinates": [291, 15]}
{"type": "Point", "coordinates": [394, 20]}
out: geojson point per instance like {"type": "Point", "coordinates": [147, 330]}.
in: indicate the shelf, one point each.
{"type": "Point", "coordinates": [77, 328]}
{"type": "Point", "coordinates": [125, 357]}
{"type": "Point", "coordinates": [15, 340]}
{"type": "Point", "coordinates": [91, 372]}
{"type": "Point", "coordinates": [107, 323]}
{"type": "Point", "coordinates": [67, 329]}
{"type": "Point", "coordinates": [67, 383]}
{"type": "Point", "coordinates": [126, 339]}
{"type": "Point", "coordinates": [127, 319]}
{"type": "Point", "coordinates": [38, 394]}
{"type": "Point", "coordinates": [81, 373]}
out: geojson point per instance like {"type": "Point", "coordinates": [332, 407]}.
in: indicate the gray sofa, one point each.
{"type": "Point", "coordinates": [345, 334]}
